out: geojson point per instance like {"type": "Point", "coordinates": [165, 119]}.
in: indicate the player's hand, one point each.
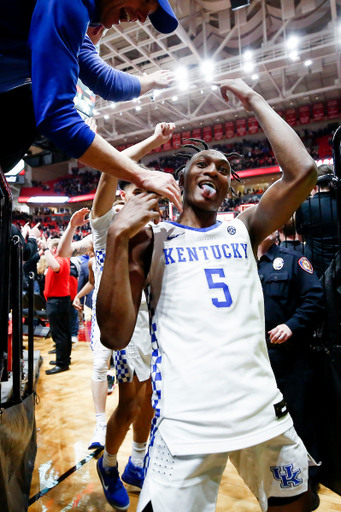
{"type": "Point", "coordinates": [280, 334]}
{"type": "Point", "coordinates": [239, 89]}
{"type": "Point", "coordinates": [42, 244]}
{"type": "Point", "coordinates": [135, 214]}
{"type": "Point", "coordinates": [163, 132]}
{"type": "Point", "coordinates": [77, 304]}
{"type": "Point", "coordinates": [25, 229]}
{"type": "Point", "coordinates": [78, 218]}
{"type": "Point", "coordinates": [161, 79]}
{"type": "Point", "coordinates": [163, 184]}
{"type": "Point", "coordinates": [35, 231]}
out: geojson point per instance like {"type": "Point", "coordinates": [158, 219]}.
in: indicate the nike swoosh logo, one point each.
{"type": "Point", "coordinates": [169, 237]}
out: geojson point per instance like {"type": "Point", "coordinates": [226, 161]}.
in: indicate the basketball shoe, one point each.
{"type": "Point", "coordinates": [133, 475]}
{"type": "Point", "coordinates": [113, 488]}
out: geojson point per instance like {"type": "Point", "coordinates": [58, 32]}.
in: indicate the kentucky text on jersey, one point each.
{"type": "Point", "coordinates": [205, 252]}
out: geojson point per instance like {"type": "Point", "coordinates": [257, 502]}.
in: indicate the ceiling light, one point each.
{"type": "Point", "coordinates": [106, 117]}
{"type": "Point", "coordinates": [135, 100]}
{"type": "Point", "coordinates": [201, 91]}
{"type": "Point", "coordinates": [120, 113]}
{"type": "Point", "coordinates": [254, 77]}
{"type": "Point", "coordinates": [248, 55]}
{"type": "Point", "coordinates": [207, 66]}
{"type": "Point", "coordinates": [183, 86]}
{"type": "Point", "coordinates": [113, 105]}
{"type": "Point", "coordinates": [308, 62]}
{"type": "Point", "coordinates": [174, 98]}
{"type": "Point", "coordinates": [138, 108]}
{"type": "Point", "coordinates": [95, 112]}
{"type": "Point", "coordinates": [214, 87]}
{"type": "Point", "coordinates": [292, 42]}
{"type": "Point", "coordinates": [248, 67]}
{"type": "Point", "coordinates": [293, 55]}
{"type": "Point", "coordinates": [180, 73]}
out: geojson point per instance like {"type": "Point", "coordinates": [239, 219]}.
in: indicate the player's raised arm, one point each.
{"type": "Point", "coordinates": [124, 271]}
{"type": "Point", "coordinates": [283, 198]}
{"type": "Point", "coordinates": [106, 190]}
{"type": "Point", "coordinates": [66, 247]}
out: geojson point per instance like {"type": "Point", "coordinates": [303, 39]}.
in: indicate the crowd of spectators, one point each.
{"type": "Point", "coordinates": [84, 183]}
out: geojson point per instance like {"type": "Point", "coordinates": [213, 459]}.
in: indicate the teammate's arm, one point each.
{"type": "Point", "coordinates": [66, 247]}
{"type": "Point", "coordinates": [106, 190]}
{"type": "Point", "coordinates": [283, 198]}
{"type": "Point", "coordinates": [126, 262]}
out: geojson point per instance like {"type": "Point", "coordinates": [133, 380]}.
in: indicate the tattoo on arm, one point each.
{"type": "Point", "coordinates": [79, 251]}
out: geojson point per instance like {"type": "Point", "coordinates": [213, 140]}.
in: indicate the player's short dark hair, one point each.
{"type": "Point", "coordinates": [197, 149]}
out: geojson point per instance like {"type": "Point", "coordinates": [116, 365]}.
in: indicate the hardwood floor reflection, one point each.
{"type": "Point", "coordinates": [65, 423]}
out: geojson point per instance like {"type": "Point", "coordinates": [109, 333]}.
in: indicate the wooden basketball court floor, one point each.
{"type": "Point", "coordinates": [65, 477]}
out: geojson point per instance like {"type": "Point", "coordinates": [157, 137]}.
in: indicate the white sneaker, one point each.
{"type": "Point", "coordinates": [98, 439]}
{"type": "Point", "coordinates": [74, 340]}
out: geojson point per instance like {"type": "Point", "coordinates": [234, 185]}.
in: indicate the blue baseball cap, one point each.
{"type": "Point", "coordinates": [164, 19]}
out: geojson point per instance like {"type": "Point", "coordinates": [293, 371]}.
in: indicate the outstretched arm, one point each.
{"type": "Point", "coordinates": [283, 198]}
{"type": "Point", "coordinates": [66, 247]}
{"type": "Point", "coordinates": [125, 266]}
{"type": "Point", "coordinates": [106, 190]}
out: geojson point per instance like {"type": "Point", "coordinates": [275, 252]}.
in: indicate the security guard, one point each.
{"type": "Point", "coordinates": [294, 304]}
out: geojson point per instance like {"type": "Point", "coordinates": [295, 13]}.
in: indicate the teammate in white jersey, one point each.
{"type": "Point", "coordinates": [133, 363]}
{"type": "Point", "coordinates": [214, 392]}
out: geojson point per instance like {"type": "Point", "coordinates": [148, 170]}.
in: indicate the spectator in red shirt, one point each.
{"type": "Point", "coordinates": [57, 295]}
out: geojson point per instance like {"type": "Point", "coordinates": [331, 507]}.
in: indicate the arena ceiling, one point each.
{"type": "Point", "coordinates": [287, 50]}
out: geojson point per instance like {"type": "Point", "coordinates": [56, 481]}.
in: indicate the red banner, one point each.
{"type": "Point", "coordinates": [186, 135]}
{"type": "Point", "coordinates": [229, 129]}
{"type": "Point", "coordinates": [167, 146]}
{"type": "Point", "coordinates": [176, 140]}
{"type": "Point", "coordinates": [290, 116]}
{"type": "Point", "coordinates": [218, 131]}
{"type": "Point", "coordinates": [280, 113]}
{"type": "Point", "coordinates": [196, 133]}
{"type": "Point", "coordinates": [207, 133]}
{"type": "Point", "coordinates": [241, 127]}
{"type": "Point", "coordinates": [253, 125]}
{"type": "Point", "coordinates": [129, 145]}
{"type": "Point", "coordinates": [304, 114]}
{"type": "Point", "coordinates": [318, 111]}
{"type": "Point", "coordinates": [121, 147]}
{"type": "Point", "coordinates": [158, 149]}
{"type": "Point", "coordinates": [333, 109]}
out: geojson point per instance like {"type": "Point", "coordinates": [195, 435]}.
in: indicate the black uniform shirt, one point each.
{"type": "Point", "coordinates": [293, 294]}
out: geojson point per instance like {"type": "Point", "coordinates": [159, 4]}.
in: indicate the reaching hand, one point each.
{"type": "Point", "coordinates": [240, 89]}
{"type": "Point", "coordinates": [78, 218]}
{"type": "Point", "coordinates": [163, 132]}
{"type": "Point", "coordinates": [25, 229]}
{"type": "Point", "coordinates": [77, 304]}
{"type": "Point", "coordinates": [136, 213]}
{"type": "Point", "coordinates": [280, 334]}
{"type": "Point", "coordinates": [161, 79]}
{"type": "Point", "coordinates": [35, 231]}
{"type": "Point", "coordinates": [163, 184]}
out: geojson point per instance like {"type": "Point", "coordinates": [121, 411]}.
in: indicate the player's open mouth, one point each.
{"type": "Point", "coordinates": [208, 188]}
{"type": "Point", "coordinates": [124, 16]}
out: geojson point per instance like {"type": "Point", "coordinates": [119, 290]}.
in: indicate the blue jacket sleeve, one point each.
{"type": "Point", "coordinates": [57, 31]}
{"type": "Point", "coordinates": [102, 79]}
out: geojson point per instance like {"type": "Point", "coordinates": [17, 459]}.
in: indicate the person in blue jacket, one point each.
{"type": "Point", "coordinates": [44, 49]}
{"type": "Point", "coordinates": [294, 304]}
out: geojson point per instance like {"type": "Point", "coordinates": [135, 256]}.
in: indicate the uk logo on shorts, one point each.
{"type": "Point", "coordinates": [231, 230]}
{"type": "Point", "coordinates": [287, 475]}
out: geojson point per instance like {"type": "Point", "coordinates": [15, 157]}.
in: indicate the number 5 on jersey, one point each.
{"type": "Point", "coordinates": [219, 284]}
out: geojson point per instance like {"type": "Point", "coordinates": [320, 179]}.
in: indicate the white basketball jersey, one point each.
{"type": "Point", "coordinates": [213, 386]}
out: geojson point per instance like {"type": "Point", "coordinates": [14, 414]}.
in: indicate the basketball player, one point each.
{"type": "Point", "coordinates": [133, 364]}
{"type": "Point", "coordinates": [207, 326]}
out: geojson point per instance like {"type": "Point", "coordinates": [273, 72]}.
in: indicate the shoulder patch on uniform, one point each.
{"type": "Point", "coordinates": [231, 230]}
{"type": "Point", "coordinates": [306, 265]}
